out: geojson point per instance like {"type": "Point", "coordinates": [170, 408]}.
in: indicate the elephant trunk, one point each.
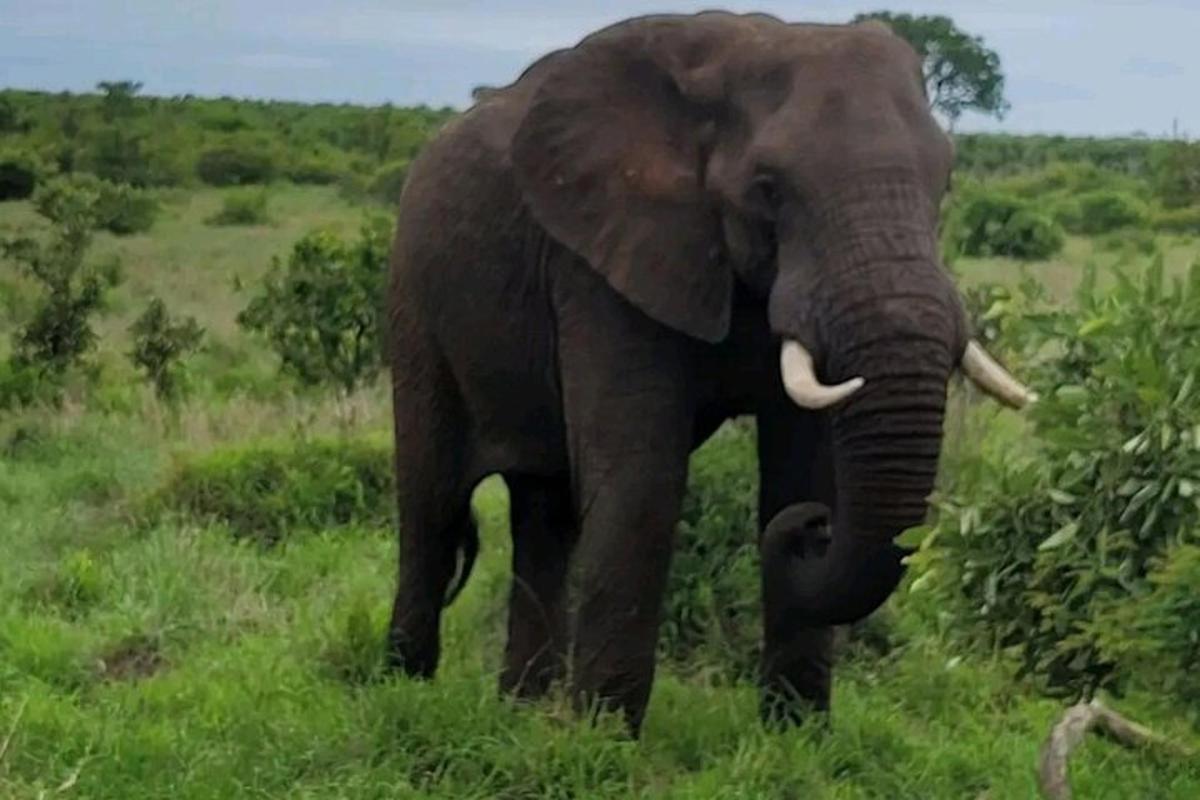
{"type": "Point", "coordinates": [834, 566]}
{"type": "Point", "coordinates": [889, 315]}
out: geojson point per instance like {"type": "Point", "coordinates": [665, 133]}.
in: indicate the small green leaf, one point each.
{"type": "Point", "coordinates": [1093, 325]}
{"type": "Point", "coordinates": [1071, 394]}
{"type": "Point", "coordinates": [1129, 487]}
{"type": "Point", "coordinates": [1060, 537]}
{"type": "Point", "coordinates": [914, 537]}
{"type": "Point", "coordinates": [1062, 498]}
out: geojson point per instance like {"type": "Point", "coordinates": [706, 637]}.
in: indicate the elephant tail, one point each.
{"type": "Point", "coordinates": [468, 549]}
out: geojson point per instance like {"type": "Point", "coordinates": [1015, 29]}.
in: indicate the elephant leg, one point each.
{"type": "Point", "coordinates": [795, 465]}
{"type": "Point", "coordinates": [435, 519]}
{"type": "Point", "coordinates": [543, 533]}
{"type": "Point", "coordinates": [629, 409]}
{"type": "Point", "coordinates": [631, 510]}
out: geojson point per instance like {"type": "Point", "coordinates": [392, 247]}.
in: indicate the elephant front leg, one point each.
{"type": "Point", "coordinates": [795, 465]}
{"type": "Point", "coordinates": [625, 552]}
{"type": "Point", "coordinates": [627, 398]}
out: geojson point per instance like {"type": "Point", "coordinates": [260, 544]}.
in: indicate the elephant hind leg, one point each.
{"type": "Point", "coordinates": [438, 535]}
{"type": "Point", "coordinates": [543, 532]}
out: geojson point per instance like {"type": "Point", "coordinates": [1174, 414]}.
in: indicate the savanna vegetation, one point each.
{"type": "Point", "coordinates": [195, 491]}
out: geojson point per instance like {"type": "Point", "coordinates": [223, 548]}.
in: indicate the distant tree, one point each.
{"type": "Point", "coordinates": [1177, 174]}
{"type": "Point", "coordinates": [961, 73]}
{"type": "Point", "coordinates": [160, 344]}
{"type": "Point", "coordinates": [118, 98]}
{"type": "Point", "coordinates": [11, 120]}
{"type": "Point", "coordinates": [59, 333]}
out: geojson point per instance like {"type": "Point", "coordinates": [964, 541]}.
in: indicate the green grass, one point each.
{"type": "Point", "coordinates": [176, 660]}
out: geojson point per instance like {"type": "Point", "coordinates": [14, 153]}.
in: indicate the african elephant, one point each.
{"type": "Point", "coordinates": [680, 220]}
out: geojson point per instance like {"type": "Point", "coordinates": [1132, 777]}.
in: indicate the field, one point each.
{"type": "Point", "coordinates": [165, 658]}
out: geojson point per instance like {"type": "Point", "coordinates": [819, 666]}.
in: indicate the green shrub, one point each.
{"type": "Point", "coordinates": [321, 312]}
{"type": "Point", "coordinates": [1177, 220]}
{"type": "Point", "coordinates": [1177, 174]}
{"type": "Point", "coordinates": [712, 618]}
{"type": "Point", "coordinates": [387, 182]}
{"type": "Point", "coordinates": [242, 207]}
{"type": "Point", "coordinates": [236, 163]}
{"type": "Point", "coordinates": [1129, 242]}
{"type": "Point", "coordinates": [1064, 179]}
{"type": "Point", "coordinates": [160, 345]}
{"type": "Point", "coordinates": [117, 208]}
{"type": "Point", "coordinates": [321, 168]}
{"type": "Point", "coordinates": [1107, 210]}
{"type": "Point", "coordinates": [265, 491]}
{"type": "Point", "coordinates": [124, 210]}
{"type": "Point", "coordinates": [20, 172]}
{"type": "Point", "coordinates": [1036, 548]}
{"type": "Point", "coordinates": [23, 384]}
{"type": "Point", "coordinates": [1155, 635]}
{"type": "Point", "coordinates": [992, 224]}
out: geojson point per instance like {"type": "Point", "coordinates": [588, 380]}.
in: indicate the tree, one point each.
{"type": "Point", "coordinates": [159, 346]}
{"type": "Point", "coordinates": [118, 98]}
{"type": "Point", "coordinates": [961, 73]}
{"type": "Point", "coordinates": [321, 309]}
{"type": "Point", "coordinates": [59, 334]}
{"type": "Point", "coordinates": [1177, 174]}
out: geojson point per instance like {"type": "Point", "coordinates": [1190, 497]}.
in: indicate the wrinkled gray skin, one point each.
{"type": "Point", "coordinates": [595, 266]}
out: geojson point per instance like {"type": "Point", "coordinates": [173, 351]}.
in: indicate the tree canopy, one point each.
{"type": "Point", "coordinates": [961, 72]}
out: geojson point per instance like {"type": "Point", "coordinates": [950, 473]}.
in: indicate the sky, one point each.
{"type": "Point", "coordinates": [1101, 67]}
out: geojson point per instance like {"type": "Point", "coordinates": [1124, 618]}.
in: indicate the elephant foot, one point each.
{"type": "Point", "coordinates": [797, 677]}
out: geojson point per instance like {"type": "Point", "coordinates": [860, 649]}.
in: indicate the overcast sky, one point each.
{"type": "Point", "coordinates": [1073, 66]}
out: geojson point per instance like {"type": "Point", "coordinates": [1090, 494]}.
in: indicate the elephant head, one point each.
{"type": "Point", "coordinates": [675, 154]}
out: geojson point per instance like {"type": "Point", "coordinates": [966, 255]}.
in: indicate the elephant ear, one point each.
{"type": "Point", "coordinates": [610, 159]}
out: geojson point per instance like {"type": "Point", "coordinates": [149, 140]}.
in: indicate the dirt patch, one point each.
{"type": "Point", "coordinates": [131, 660]}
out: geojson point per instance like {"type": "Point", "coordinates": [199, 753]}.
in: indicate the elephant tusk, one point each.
{"type": "Point", "coordinates": [800, 379]}
{"type": "Point", "coordinates": [986, 373]}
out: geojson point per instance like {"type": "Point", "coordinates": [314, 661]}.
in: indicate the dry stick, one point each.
{"type": "Point", "coordinates": [12, 730]}
{"type": "Point", "coordinates": [1070, 731]}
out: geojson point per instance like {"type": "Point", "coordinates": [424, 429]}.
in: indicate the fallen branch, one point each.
{"type": "Point", "coordinates": [1070, 731]}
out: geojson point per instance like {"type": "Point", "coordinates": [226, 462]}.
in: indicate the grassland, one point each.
{"type": "Point", "coordinates": [170, 660]}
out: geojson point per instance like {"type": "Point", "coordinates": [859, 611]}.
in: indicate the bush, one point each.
{"type": "Point", "coordinates": [266, 491]}
{"type": "Point", "coordinates": [20, 172]}
{"type": "Point", "coordinates": [1129, 242]}
{"type": "Point", "coordinates": [124, 210]}
{"type": "Point", "coordinates": [712, 618]}
{"type": "Point", "coordinates": [1036, 550]}
{"type": "Point", "coordinates": [117, 208]}
{"type": "Point", "coordinates": [387, 182]}
{"type": "Point", "coordinates": [160, 345]}
{"type": "Point", "coordinates": [1177, 174]}
{"type": "Point", "coordinates": [992, 224]}
{"type": "Point", "coordinates": [242, 207]}
{"type": "Point", "coordinates": [236, 163]}
{"type": "Point", "coordinates": [321, 313]}
{"type": "Point", "coordinates": [1177, 220]}
{"type": "Point", "coordinates": [23, 384]}
{"type": "Point", "coordinates": [1155, 636]}
{"type": "Point", "coordinates": [321, 168]}
{"type": "Point", "coordinates": [1063, 179]}
{"type": "Point", "coordinates": [1106, 210]}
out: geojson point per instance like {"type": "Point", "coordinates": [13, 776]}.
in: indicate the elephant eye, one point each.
{"type": "Point", "coordinates": [765, 195]}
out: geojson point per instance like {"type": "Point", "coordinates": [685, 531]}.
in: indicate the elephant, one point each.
{"type": "Point", "coordinates": [680, 220]}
